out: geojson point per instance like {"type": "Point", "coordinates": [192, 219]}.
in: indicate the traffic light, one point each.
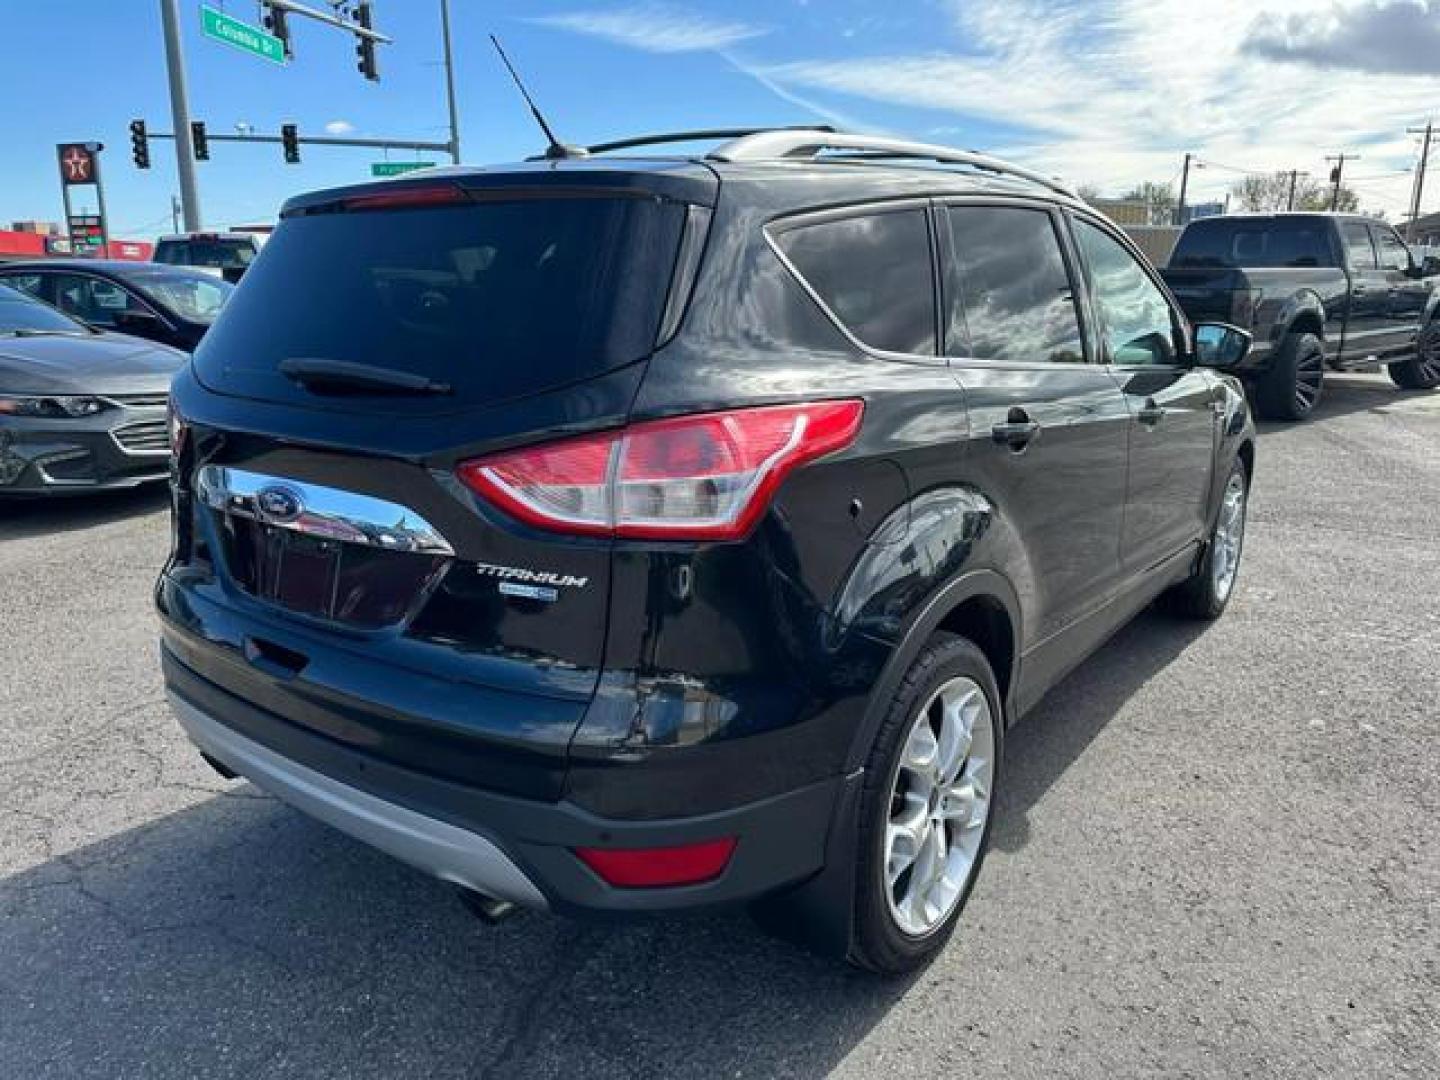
{"type": "Point", "coordinates": [365, 46]}
{"type": "Point", "coordinates": [199, 141]}
{"type": "Point", "coordinates": [290, 139]}
{"type": "Point", "coordinates": [139, 144]}
{"type": "Point", "coordinates": [274, 19]}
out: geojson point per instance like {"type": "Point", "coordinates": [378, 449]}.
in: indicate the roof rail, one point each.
{"type": "Point", "coordinates": [661, 138]}
{"type": "Point", "coordinates": [810, 142]}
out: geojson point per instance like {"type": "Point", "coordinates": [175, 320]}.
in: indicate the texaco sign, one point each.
{"type": "Point", "coordinates": [77, 163]}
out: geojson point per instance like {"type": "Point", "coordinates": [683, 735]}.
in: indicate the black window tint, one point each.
{"type": "Point", "coordinates": [1254, 242]}
{"type": "Point", "coordinates": [1016, 301]}
{"type": "Point", "coordinates": [874, 273]}
{"type": "Point", "coordinates": [1359, 254]}
{"type": "Point", "coordinates": [1135, 317]}
{"type": "Point", "coordinates": [498, 299]}
{"type": "Point", "coordinates": [1393, 254]}
{"type": "Point", "coordinates": [92, 299]}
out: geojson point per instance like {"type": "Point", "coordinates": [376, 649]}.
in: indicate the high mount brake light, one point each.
{"type": "Point", "coordinates": [417, 196]}
{"type": "Point", "coordinates": [704, 477]}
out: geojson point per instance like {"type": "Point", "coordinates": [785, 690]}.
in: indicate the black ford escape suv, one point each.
{"type": "Point", "coordinates": [621, 534]}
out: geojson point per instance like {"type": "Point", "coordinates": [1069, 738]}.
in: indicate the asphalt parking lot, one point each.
{"type": "Point", "coordinates": [1217, 850]}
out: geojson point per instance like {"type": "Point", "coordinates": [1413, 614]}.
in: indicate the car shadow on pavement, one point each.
{"type": "Point", "coordinates": [237, 937]}
{"type": "Point", "coordinates": [1048, 740]}
{"type": "Point", "coordinates": [63, 513]}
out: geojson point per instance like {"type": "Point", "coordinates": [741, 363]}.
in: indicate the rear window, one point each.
{"type": "Point", "coordinates": [1238, 242]}
{"type": "Point", "coordinates": [496, 299]}
{"type": "Point", "coordinates": [213, 254]}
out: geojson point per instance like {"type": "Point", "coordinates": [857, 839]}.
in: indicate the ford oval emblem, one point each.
{"type": "Point", "coordinates": [279, 504]}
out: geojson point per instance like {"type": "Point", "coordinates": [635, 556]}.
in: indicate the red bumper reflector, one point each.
{"type": "Point", "coordinates": [642, 868]}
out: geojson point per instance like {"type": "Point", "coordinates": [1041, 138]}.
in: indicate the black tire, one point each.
{"type": "Point", "coordinates": [879, 944]}
{"type": "Point", "coordinates": [1291, 389]}
{"type": "Point", "coordinates": [1421, 371]}
{"type": "Point", "coordinates": [1201, 595]}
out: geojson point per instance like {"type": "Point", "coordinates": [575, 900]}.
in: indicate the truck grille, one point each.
{"type": "Point", "coordinates": [144, 437]}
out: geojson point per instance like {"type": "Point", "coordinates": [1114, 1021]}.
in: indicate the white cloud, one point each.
{"type": "Point", "coordinates": [1117, 95]}
{"type": "Point", "coordinates": [657, 28]}
{"type": "Point", "coordinates": [339, 127]}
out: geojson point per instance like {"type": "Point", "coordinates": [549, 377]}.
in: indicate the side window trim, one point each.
{"type": "Point", "coordinates": [1185, 346]}
{"type": "Point", "coordinates": [777, 227]}
{"type": "Point", "coordinates": [950, 274]}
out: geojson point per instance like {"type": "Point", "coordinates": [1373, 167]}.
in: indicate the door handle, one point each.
{"type": "Point", "coordinates": [1017, 431]}
{"type": "Point", "coordinates": [1150, 414]}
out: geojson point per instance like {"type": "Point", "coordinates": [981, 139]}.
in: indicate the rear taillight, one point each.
{"type": "Point", "coordinates": [708, 476]}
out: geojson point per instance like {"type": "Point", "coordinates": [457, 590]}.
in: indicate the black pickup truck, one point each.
{"type": "Point", "coordinates": [1316, 291]}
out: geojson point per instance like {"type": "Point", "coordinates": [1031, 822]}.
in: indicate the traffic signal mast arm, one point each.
{"type": "Point", "coordinates": [139, 135]}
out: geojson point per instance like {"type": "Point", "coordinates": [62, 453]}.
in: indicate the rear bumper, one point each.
{"type": "Point", "coordinates": [512, 848]}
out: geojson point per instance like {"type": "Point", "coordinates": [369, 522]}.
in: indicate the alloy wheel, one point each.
{"type": "Point", "coordinates": [939, 806]}
{"type": "Point", "coordinates": [1229, 538]}
{"type": "Point", "coordinates": [1428, 357]}
{"type": "Point", "coordinates": [1309, 376]}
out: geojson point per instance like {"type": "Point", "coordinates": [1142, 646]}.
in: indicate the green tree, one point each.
{"type": "Point", "coordinates": [1271, 191]}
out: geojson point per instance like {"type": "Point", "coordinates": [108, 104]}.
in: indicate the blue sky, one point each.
{"type": "Point", "coordinates": [1107, 94]}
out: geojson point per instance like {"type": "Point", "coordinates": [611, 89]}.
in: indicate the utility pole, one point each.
{"type": "Point", "coordinates": [450, 82]}
{"type": "Point", "coordinates": [1290, 198]}
{"type": "Point", "coordinates": [180, 113]}
{"type": "Point", "coordinates": [1184, 186]}
{"type": "Point", "coordinates": [1419, 180]}
{"type": "Point", "coordinates": [174, 213]}
{"type": "Point", "coordinates": [1335, 175]}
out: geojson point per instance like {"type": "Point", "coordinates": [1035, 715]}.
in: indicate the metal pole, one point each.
{"type": "Point", "coordinates": [100, 199]}
{"type": "Point", "coordinates": [1335, 188]}
{"type": "Point", "coordinates": [180, 112]}
{"type": "Point", "coordinates": [1419, 186]}
{"type": "Point", "coordinates": [450, 82]}
{"type": "Point", "coordinates": [174, 213]}
{"type": "Point", "coordinates": [1290, 199]}
{"type": "Point", "coordinates": [1184, 185]}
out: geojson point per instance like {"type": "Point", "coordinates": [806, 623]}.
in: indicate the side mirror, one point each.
{"type": "Point", "coordinates": [1220, 345]}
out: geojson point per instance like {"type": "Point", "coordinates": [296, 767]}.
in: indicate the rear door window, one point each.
{"type": "Point", "coordinates": [496, 299]}
{"type": "Point", "coordinates": [874, 272]}
{"type": "Point", "coordinates": [1013, 300]}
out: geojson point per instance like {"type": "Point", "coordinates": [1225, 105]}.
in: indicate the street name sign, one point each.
{"type": "Point", "coordinates": [247, 38]}
{"type": "Point", "coordinates": [397, 168]}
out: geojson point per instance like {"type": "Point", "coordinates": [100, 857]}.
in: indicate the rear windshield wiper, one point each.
{"type": "Point", "coordinates": [26, 331]}
{"type": "Point", "coordinates": [319, 374]}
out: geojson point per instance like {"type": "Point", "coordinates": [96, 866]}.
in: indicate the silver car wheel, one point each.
{"type": "Point", "coordinates": [939, 806]}
{"type": "Point", "coordinates": [1229, 538]}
